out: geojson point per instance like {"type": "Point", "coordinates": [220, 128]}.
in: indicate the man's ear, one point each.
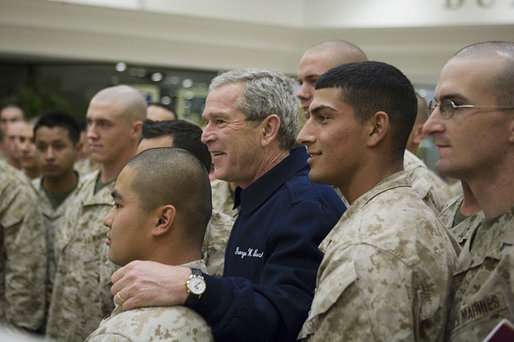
{"type": "Point", "coordinates": [137, 129]}
{"type": "Point", "coordinates": [418, 134]}
{"type": "Point", "coordinates": [378, 127]}
{"type": "Point", "coordinates": [78, 147]}
{"type": "Point", "coordinates": [165, 220]}
{"type": "Point", "coordinates": [268, 129]}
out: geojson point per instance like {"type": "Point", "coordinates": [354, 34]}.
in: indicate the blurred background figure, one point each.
{"type": "Point", "coordinates": [12, 143]}
{"type": "Point", "coordinates": [84, 163]}
{"type": "Point", "coordinates": [417, 135]}
{"type": "Point", "coordinates": [56, 136]}
{"type": "Point", "coordinates": [8, 114]}
{"type": "Point", "coordinates": [29, 158]}
{"type": "Point", "coordinates": [22, 253]}
{"type": "Point", "coordinates": [159, 112]}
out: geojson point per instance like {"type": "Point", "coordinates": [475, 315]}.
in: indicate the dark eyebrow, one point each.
{"type": "Point", "coordinates": [453, 97]}
{"type": "Point", "coordinates": [322, 107]}
{"type": "Point", "coordinates": [116, 195]}
{"type": "Point", "coordinates": [309, 77]}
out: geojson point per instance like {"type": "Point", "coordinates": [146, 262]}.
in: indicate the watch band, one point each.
{"type": "Point", "coordinates": [196, 272]}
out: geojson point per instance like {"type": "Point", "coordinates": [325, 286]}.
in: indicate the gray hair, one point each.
{"type": "Point", "coordinates": [266, 92]}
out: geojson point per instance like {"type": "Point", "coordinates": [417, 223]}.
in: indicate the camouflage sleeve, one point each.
{"type": "Point", "coordinates": [25, 252]}
{"type": "Point", "coordinates": [215, 241]}
{"type": "Point", "coordinates": [369, 294]}
{"type": "Point", "coordinates": [108, 337]}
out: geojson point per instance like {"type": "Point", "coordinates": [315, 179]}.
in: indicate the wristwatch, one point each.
{"type": "Point", "coordinates": [195, 286]}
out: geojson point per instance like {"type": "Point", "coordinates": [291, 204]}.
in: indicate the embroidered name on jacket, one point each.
{"type": "Point", "coordinates": [480, 308]}
{"type": "Point", "coordinates": [250, 252]}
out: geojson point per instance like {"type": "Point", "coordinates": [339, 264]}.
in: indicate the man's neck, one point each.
{"type": "Point", "coordinates": [270, 158]}
{"type": "Point", "coordinates": [61, 184]}
{"type": "Point", "coordinates": [469, 205]}
{"type": "Point", "coordinates": [495, 191]}
{"type": "Point", "coordinates": [32, 172]}
{"type": "Point", "coordinates": [368, 177]}
{"type": "Point", "coordinates": [14, 163]}
{"type": "Point", "coordinates": [110, 171]}
{"type": "Point", "coordinates": [175, 256]}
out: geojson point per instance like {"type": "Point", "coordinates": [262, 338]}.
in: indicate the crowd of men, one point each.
{"type": "Point", "coordinates": [253, 228]}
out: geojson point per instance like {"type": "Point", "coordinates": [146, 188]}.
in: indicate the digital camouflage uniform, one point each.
{"type": "Point", "coordinates": [171, 323]}
{"type": "Point", "coordinates": [81, 294]}
{"type": "Point", "coordinates": [53, 220]}
{"type": "Point", "coordinates": [85, 166]}
{"type": "Point", "coordinates": [215, 241]}
{"type": "Point", "coordinates": [222, 197]}
{"type": "Point", "coordinates": [462, 230]}
{"type": "Point", "coordinates": [386, 271]}
{"type": "Point", "coordinates": [22, 252]}
{"type": "Point", "coordinates": [430, 187]}
{"type": "Point", "coordinates": [484, 283]}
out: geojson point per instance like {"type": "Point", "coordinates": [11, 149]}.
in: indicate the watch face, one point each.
{"type": "Point", "coordinates": [196, 285]}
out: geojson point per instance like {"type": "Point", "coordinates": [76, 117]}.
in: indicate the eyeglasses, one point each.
{"type": "Point", "coordinates": [448, 107]}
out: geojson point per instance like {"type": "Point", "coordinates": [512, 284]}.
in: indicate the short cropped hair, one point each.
{"type": "Point", "coordinates": [163, 106]}
{"type": "Point", "coordinates": [57, 118]}
{"type": "Point", "coordinates": [186, 135]}
{"type": "Point", "coordinates": [170, 175]}
{"type": "Point", "coordinates": [503, 83]}
{"type": "Point", "coordinates": [264, 93]}
{"type": "Point", "coordinates": [369, 87]}
{"type": "Point", "coordinates": [347, 52]}
{"type": "Point", "coordinates": [131, 103]}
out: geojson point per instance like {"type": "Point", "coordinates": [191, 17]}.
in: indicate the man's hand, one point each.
{"type": "Point", "coordinates": [148, 283]}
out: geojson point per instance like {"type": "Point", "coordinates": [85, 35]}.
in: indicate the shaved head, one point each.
{"type": "Point", "coordinates": [502, 84]}
{"type": "Point", "coordinates": [342, 51]}
{"type": "Point", "coordinates": [173, 176]}
{"type": "Point", "coordinates": [320, 58]}
{"type": "Point", "coordinates": [128, 100]}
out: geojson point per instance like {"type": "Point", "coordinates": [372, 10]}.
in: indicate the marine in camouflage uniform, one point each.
{"type": "Point", "coordinates": [22, 252]}
{"type": "Point", "coordinates": [215, 242]}
{"type": "Point", "coordinates": [386, 271]}
{"type": "Point", "coordinates": [462, 229]}
{"type": "Point", "coordinates": [223, 197]}
{"type": "Point", "coordinates": [483, 282]}
{"type": "Point", "coordinates": [171, 323]}
{"type": "Point", "coordinates": [81, 295]}
{"type": "Point", "coordinates": [431, 188]}
{"type": "Point", "coordinates": [85, 166]}
{"type": "Point", "coordinates": [53, 220]}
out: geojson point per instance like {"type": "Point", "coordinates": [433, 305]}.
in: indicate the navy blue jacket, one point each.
{"type": "Point", "coordinates": [272, 256]}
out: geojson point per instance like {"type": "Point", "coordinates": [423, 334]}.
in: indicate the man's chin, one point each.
{"type": "Point", "coordinates": [317, 178]}
{"type": "Point", "coordinates": [55, 174]}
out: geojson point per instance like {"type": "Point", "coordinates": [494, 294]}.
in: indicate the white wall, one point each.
{"type": "Point", "coordinates": [417, 36]}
